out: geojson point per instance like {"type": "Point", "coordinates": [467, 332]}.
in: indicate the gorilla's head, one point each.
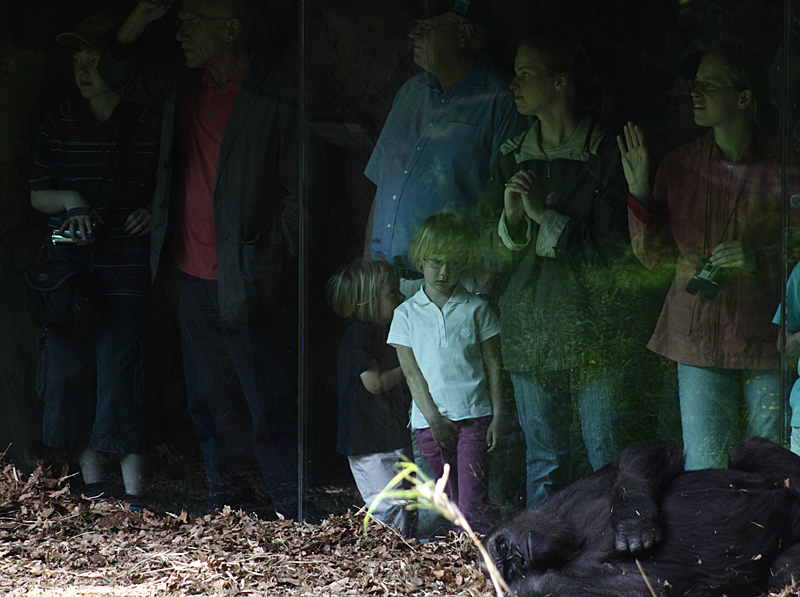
{"type": "Point", "coordinates": [528, 543]}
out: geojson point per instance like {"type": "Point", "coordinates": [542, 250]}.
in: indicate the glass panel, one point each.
{"type": "Point", "coordinates": [222, 182]}
{"type": "Point", "coordinates": [617, 317]}
{"type": "Point", "coordinates": [788, 104]}
{"type": "Point", "coordinates": [633, 295]}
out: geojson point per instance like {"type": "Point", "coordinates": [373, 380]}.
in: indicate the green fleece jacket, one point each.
{"type": "Point", "coordinates": [558, 289]}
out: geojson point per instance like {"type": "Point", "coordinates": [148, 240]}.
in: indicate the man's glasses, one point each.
{"type": "Point", "coordinates": [193, 23]}
{"type": "Point", "coordinates": [705, 86]}
{"type": "Point", "coordinates": [440, 263]}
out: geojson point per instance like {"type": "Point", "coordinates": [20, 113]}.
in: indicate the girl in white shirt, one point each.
{"type": "Point", "coordinates": [448, 345]}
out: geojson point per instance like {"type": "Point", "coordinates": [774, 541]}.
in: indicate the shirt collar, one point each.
{"type": "Point", "coordinates": [475, 78]}
{"type": "Point", "coordinates": [124, 112]}
{"type": "Point", "coordinates": [231, 87]}
{"type": "Point", "coordinates": [460, 295]}
{"type": "Point", "coordinates": [709, 147]}
{"type": "Point", "coordinates": [527, 145]}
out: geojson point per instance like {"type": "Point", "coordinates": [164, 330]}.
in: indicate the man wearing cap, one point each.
{"type": "Point", "coordinates": [225, 213]}
{"type": "Point", "coordinates": [93, 172]}
{"type": "Point", "coordinates": [444, 128]}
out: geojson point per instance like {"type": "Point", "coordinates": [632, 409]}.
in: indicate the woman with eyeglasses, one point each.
{"type": "Point", "coordinates": [714, 216]}
{"type": "Point", "coordinates": [554, 219]}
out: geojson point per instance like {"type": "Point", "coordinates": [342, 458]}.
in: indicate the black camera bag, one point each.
{"type": "Point", "coordinates": [58, 293]}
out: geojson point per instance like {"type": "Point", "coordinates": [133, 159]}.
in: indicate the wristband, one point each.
{"type": "Point", "coordinates": [78, 211]}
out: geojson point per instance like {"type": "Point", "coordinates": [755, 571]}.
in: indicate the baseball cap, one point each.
{"type": "Point", "coordinates": [476, 11]}
{"type": "Point", "coordinates": [92, 31]}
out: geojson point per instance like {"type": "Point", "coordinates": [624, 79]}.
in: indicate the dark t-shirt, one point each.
{"type": "Point", "coordinates": [370, 423]}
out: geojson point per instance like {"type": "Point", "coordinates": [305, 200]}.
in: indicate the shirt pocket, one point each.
{"type": "Point", "coordinates": [452, 146]}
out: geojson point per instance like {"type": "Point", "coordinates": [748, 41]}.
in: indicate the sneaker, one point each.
{"type": "Point", "coordinates": [95, 491]}
{"type": "Point", "coordinates": [136, 503]}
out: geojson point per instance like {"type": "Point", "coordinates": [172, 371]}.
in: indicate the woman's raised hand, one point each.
{"type": "Point", "coordinates": [635, 162]}
{"type": "Point", "coordinates": [522, 197]}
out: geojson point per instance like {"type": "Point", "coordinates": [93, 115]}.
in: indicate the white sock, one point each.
{"type": "Point", "coordinates": [91, 463]}
{"type": "Point", "coordinates": [132, 466]}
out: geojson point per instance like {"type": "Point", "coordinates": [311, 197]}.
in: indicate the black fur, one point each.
{"type": "Point", "coordinates": [733, 532]}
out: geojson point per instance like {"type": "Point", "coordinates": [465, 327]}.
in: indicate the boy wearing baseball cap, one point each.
{"type": "Point", "coordinates": [93, 173]}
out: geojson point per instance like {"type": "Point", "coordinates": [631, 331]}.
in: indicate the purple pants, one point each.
{"type": "Point", "coordinates": [468, 483]}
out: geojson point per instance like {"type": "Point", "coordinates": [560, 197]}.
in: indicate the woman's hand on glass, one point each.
{"type": "Point", "coordinates": [635, 162]}
{"type": "Point", "coordinates": [138, 223]}
{"type": "Point", "coordinates": [522, 197]}
{"type": "Point", "coordinates": [732, 254]}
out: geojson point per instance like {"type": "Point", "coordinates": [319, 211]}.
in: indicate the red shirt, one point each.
{"type": "Point", "coordinates": [205, 109]}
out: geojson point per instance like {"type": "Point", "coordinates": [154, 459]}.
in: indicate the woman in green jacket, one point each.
{"type": "Point", "coordinates": [555, 217]}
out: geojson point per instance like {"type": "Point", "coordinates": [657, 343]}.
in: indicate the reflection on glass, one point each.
{"type": "Point", "coordinates": [555, 221]}
{"type": "Point", "coordinates": [225, 215]}
{"type": "Point", "coordinates": [714, 215]}
{"type": "Point", "coordinates": [603, 345]}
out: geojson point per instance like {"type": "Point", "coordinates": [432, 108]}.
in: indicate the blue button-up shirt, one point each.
{"type": "Point", "coordinates": [435, 152]}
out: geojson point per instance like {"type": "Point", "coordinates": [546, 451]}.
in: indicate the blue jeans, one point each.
{"type": "Point", "coordinates": [544, 407]}
{"type": "Point", "coordinates": [93, 378]}
{"type": "Point", "coordinates": [712, 403]}
{"type": "Point", "coordinates": [228, 365]}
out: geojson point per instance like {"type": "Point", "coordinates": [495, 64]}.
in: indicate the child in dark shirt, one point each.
{"type": "Point", "coordinates": [373, 397]}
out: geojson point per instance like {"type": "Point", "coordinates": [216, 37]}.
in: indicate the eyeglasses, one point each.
{"type": "Point", "coordinates": [425, 28]}
{"type": "Point", "coordinates": [705, 86]}
{"type": "Point", "coordinates": [440, 263]}
{"type": "Point", "coordinates": [193, 23]}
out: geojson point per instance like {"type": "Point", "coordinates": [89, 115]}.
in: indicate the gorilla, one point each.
{"type": "Point", "coordinates": [706, 533]}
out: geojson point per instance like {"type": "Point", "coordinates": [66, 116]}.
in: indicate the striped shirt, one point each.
{"type": "Point", "coordinates": [113, 165]}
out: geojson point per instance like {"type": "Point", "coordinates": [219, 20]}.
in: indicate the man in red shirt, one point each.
{"type": "Point", "coordinates": [225, 210]}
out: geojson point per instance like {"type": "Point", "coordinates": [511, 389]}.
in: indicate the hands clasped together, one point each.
{"type": "Point", "coordinates": [522, 196]}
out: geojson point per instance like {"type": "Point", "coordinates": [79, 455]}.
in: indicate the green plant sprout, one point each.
{"type": "Point", "coordinates": [430, 495]}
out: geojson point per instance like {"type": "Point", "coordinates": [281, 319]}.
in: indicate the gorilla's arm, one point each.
{"type": "Point", "coordinates": [578, 542]}
{"type": "Point", "coordinates": [601, 583]}
{"type": "Point", "coordinates": [571, 529]}
{"type": "Point", "coordinates": [760, 455]}
{"type": "Point", "coordinates": [642, 473]}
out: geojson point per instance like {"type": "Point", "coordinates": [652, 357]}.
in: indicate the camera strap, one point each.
{"type": "Point", "coordinates": [735, 204]}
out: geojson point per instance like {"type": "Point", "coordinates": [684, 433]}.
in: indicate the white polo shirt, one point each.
{"type": "Point", "coordinates": [447, 347]}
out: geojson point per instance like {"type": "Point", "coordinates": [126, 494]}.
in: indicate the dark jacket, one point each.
{"type": "Point", "coordinates": [256, 194]}
{"type": "Point", "coordinates": [556, 286]}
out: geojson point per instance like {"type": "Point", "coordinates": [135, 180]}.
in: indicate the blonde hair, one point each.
{"type": "Point", "coordinates": [353, 292]}
{"type": "Point", "coordinates": [444, 236]}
